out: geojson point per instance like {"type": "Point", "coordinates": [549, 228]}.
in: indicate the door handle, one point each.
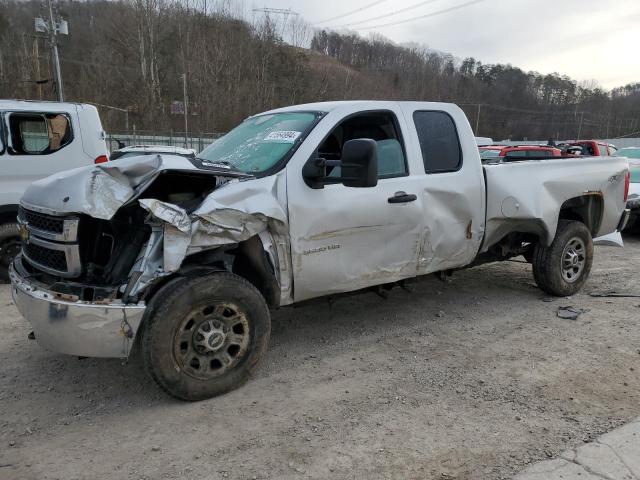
{"type": "Point", "coordinates": [402, 197]}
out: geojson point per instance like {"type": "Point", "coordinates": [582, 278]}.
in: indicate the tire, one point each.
{"type": "Point", "coordinates": [563, 268]}
{"type": "Point", "coordinates": [9, 248]}
{"type": "Point", "coordinates": [204, 336]}
{"type": "Point", "coordinates": [633, 226]}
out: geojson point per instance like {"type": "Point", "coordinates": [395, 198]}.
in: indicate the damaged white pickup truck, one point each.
{"type": "Point", "coordinates": [187, 255]}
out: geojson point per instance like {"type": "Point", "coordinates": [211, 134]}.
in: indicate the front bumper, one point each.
{"type": "Point", "coordinates": [76, 327]}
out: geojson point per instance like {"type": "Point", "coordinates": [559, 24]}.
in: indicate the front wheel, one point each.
{"type": "Point", "coordinates": [562, 268]}
{"type": "Point", "coordinates": [204, 336]}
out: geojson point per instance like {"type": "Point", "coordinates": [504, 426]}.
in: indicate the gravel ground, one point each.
{"type": "Point", "coordinates": [472, 379]}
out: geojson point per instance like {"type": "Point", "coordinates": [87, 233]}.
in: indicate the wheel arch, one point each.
{"type": "Point", "coordinates": [8, 213]}
{"type": "Point", "coordinates": [248, 259]}
{"type": "Point", "coordinates": [587, 209]}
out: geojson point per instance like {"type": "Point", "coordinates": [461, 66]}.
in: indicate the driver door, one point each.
{"type": "Point", "coordinates": [345, 238]}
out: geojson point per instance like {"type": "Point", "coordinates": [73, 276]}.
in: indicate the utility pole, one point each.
{"type": "Point", "coordinates": [284, 12]}
{"type": "Point", "coordinates": [478, 118]}
{"type": "Point", "coordinates": [278, 11]}
{"type": "Point", "coordinates": [186, 113]}
{"type": "Point", "coordinates": [54, 51]}
{"type": "Point", "coordinates": [54, 28]}
{"type": "Point", "coordinates": [580, 125]}
{"type": "Point", "coordinates": [36, 56]}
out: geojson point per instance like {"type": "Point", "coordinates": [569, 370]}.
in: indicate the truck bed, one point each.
{"type": "Point", "coordinates": [527, 196]}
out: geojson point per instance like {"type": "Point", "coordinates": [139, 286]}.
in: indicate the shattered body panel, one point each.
{"type": "Point", "coordinates": [233, 212]}
{"type": "Point", "coordinates": [228, 215]}
{"type": "Point", "coordinates": [100, 190]}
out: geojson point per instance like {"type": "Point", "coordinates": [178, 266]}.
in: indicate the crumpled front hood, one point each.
{"type": "Point", "coordinates": [231, 214]}
{"type": "Point", "coordinates": [100, 190]}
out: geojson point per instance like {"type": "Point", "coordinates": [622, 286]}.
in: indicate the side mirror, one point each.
{"type": "Point", "coordinates": [360, 163]}
{"type": "Point", "coordinates": [358, 166]}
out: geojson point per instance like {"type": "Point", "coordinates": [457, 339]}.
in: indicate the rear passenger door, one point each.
{"type": "Point", "coordinates": [451, 190]}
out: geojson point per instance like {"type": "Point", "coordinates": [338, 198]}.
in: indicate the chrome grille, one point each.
{"type": "Point", "coordinates": [52, 259]}
{"type": "Point", "coordinates": [49, 242]}
{"type": "Point", "coordinates": [51, 227]}
{"type": "Point", "coordinates": [40, 221]}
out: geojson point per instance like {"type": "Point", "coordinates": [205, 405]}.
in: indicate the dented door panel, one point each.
{"type": "Point", "coordinates": [344, 239]}
{"type": "Point", "coordinates": [453, 202]}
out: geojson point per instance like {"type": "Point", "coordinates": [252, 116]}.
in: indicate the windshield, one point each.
{"type": "Point", "coordinates": [259, 143]}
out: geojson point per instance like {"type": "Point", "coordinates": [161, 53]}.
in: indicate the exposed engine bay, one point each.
{"type": "Point", "coordinates": [160, 215]}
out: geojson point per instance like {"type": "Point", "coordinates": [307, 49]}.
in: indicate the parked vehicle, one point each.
{"type": "Point", "coordinates": [188, 254]}
{"type": "Point", "coordinates": [137, 150]}
{"type": "Point", "coordinates": [633, 202]}
{"type": "Point", "coordinates": [592, 148]}
{"type": "Point", "coordinates": [38, 139]}
{"type": "Point", "coordinates": [628, 152]}
{"type": "Point", "coordinates": [502, 153]}
{"type": "Point", "coordinates": [484, 141]}
{"type": "Point", "coordinates": [490, 152]}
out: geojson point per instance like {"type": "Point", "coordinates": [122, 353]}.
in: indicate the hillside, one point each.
{"type": "Point", "coordinates": [131, 54]}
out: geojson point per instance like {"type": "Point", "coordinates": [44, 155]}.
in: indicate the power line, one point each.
{"type": "Point", "coordinates": [433, 14]}
{"type": "Point", "coordinates": [342, 15]}
{"type": "Point", "coordinates": [386, 15]}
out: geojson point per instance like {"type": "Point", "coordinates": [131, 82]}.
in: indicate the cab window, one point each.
{"type": "Point", "coordinates": [38, 134]}
{"type": "Point", "coordinates": [587, 148]}
{"type": "Point", "coordinates": [379, 126]}
{"type": "Point", "coordinates": [439, 142]}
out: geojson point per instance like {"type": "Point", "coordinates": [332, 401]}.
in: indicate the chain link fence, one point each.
{"type": "Point", "coordinates": [196, 141]}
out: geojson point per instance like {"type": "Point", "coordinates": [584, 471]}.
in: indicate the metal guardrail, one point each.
{"type": "Point", "coordinates": [173, 139]}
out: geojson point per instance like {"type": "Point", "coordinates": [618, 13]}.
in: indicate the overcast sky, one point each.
{"type": "Point", "coordinates": [585, 39]}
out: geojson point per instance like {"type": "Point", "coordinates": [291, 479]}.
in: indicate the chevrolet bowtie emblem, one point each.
{"type": "Point", "coordinates": [24, 233]}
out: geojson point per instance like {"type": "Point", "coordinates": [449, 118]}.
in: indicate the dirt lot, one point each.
{"type": "Point", "coordinates": [472, 379]}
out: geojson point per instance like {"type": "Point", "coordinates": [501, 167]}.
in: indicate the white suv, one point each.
{"type": "Point", "coordinates": [38, 139]}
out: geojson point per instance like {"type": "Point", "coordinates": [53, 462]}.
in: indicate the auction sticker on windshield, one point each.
{"type": "Point", "coordinates": [286, 136]}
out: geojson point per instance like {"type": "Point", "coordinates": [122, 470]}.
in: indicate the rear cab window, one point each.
{"type": "Point", "coordinates": [587, 148]}
{"type": "Point", "coordinates": [524, 153]}
{"type": "Point", "coordinates": [39, 133]}
{"type": "Point", "coordinates": [439, 141]}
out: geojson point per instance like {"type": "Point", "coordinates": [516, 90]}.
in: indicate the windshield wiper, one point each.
{"type": "Point", "coordinates": [222, 164]}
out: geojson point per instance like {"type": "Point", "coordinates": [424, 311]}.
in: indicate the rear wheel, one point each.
{"type": "Point", "coordinates": [563, 268]}
{"type": "Point", "coordinates": [204, 336]}
{"type": "Point", "coordinates": [9, 248]}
